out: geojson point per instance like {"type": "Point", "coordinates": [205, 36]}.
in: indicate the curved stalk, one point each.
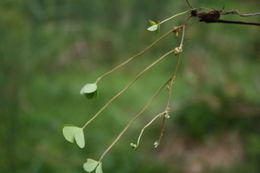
{"type": "Point", "coordinates": [134, 119]}
{"type": "Point", "coordinates": [147, 125]}
{"type": "Point", "coordinates": [134, 56]}
{"type": "Point", "coordinates": [127, 87]}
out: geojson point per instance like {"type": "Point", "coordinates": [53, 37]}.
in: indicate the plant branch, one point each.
{"type": "Point", "coordinates": [169, 102]}
{"type": "Point", "coordinates": [213, 16]}
{"type": "Point", "coordinates": [134, 56]}
{"type": "Point", "coordinates": [188, 3]}
{"type": "Point", "coordinates": [127, 87]}
{"type": "Point", "coordinates": [147, 125]}
{"type": "Point", "coordinates": [161, 131]}
{"type": "Point", "coordinates": [176, 15]}
{"type": "Point", "coordinates": [240, 14]}
{"type": "Point", "coordinates": [134, 119]}
{"type": "Point", "coordinates": [234, 22]}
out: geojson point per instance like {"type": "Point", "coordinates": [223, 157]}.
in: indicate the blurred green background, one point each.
{"type": "Point", "coordinates": [50, 48]}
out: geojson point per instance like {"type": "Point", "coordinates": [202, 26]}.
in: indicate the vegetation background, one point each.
{"type": "Point", "coordinates": [50, 48]}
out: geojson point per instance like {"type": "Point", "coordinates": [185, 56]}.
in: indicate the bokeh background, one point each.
{"type": "Point", "coordinates": [50, 48]}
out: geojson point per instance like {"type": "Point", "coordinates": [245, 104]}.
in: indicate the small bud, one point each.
{"type": "Point", "coordinates": [152, 22]}
{"type": "Point", "coordinates": [134, 146]}
{"type": "Point", "coordinates": [156, 144]}
{"type": "Point", "coordinates": [167, 115]}
{"type": "Point", "coordinates": [177, 50]}
{"type": "Point", "coordinates": [168, 86]}
{"type": "Point", "coordinates": [176, 31]}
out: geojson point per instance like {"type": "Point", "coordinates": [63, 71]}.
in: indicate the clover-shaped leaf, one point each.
{"type": "Point", "coordinates": [73, 133]}
{"type": "Point", "coordinates": [99, 168]}
{"type": "Point", "coordinates": [154, 26]}
{"type": "Point", "coordinates": [91, 165]}
{"type": "Point", "coordinates": [89, 90]}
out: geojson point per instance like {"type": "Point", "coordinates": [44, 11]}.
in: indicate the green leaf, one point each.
{"type": "Point", "coordinates": [89, 88]}
{"type": "Point", "coordinates": [90, 165]}
{"type": "Point", "coordinates": [73, 133]}
{"type": "Point", "coordinates": [152, 22]}
{"type": "Point", "coordinates": [153, 28]}
{"type": "Point", "coordinates": [99, 168]}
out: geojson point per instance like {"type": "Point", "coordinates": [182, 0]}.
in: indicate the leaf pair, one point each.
{"type": "Point", "coordinates": [73, 133]}
{"type": "Point", "coordinates": [91, 165]}
{"type": "Point", "coordinates": [89, 90]}
{"type": "Point", "coordinates": [154, 26]}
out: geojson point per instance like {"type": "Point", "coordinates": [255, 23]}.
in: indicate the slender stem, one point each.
{"type": "Point", "coordinates": [134, 119]}
{"type": "Point", "coordinates": [171, 83]}
{"type": "Point", "coordinates": [240, 14]}
{"type": "Point", "coordinates": [188, 3]}
{"type": "Point", "coordinates": [173, 78]}
{"type": "Point", "coordinates": [134, 56]}
{"type": "Point", "coordinates": [169, 102]}
{"type": "Point", "coordinates": [234, 22]}
{"type": "Point", "coordinates": [147, 125]}
{"type": "Point", "coordinates": [166, 109]}
{"type": "Point", "coordinates": [127, 87]}
{"type": "Point", "coordinates": [176, 69]}
{"type": "Point", "coordinates": [183, 35]}
{"type": "Point", "coordinates": [161, 131]}
{"type": "Point", "coordinates": [176, 15]}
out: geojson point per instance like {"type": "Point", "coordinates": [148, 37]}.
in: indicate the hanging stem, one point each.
{"type": "Point", "coordinates": [164, 113]}
{"type": "Point", "coordinates": [134, 56]}
{"type": "Point", "coordinates": [127, 87]}
{"type": "Point", "coordinates": [134, 119]}
{"type": "Point", "coordinates": [170, 95]}
{"type": "Point", "coordinates": [176, 15]}
{"type": "Point", "coordinates": [188, 3]}
{"type": "Point", "coordinates": [147, 125]}
{"type": "Point", "coordinates": [169, 102]}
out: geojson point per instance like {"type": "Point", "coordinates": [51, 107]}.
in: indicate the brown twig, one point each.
{"type": "Point", "coordinates": [240, 14]}
{"type": "Point", "coordinates": [234, 22]}
{"type": "Point", "coordinates": [213, 16]}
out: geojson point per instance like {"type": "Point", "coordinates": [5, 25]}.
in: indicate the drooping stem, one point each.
{"type": "Point", "coordinates": [167, 109]}
{"type": "Point", "coordinates": [161, 131]}
{"type": "Point", "coordinates": [176, 15]}
{"type": "Point", "coordinates": [182, 36]}
{"type": "Point", "coordinates": [170, 95]}
{"type": "Point", "coordinates": [127, 87]}
{"type": "Point", "coordinates": [147, 125]}
{"type": "Point", "coordinates": [169, 102]}
{"type": "Point", "coordinates": [188, 3]}
{"type": "Point", "coordinates": [134, 56]}
{"type": "Point", "coordinates": [134, 119]}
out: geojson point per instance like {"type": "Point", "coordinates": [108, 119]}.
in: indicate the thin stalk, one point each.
{"type": "Point", "coordinates": [161, 131]}
{"type": "Point", "coordinates": [169, 102]}
{"type": "Point", "coordinates": [170, 95]}
{"type": "Point", "coordinates": [127, 87]}
{"type": "Point", "coordinates": [183, 35]}
{"type": "Point", "coordinates": [134, 56]}
{"type": "Point", "coordinates": [166, 111]}
{"type": "Point", "coordinates": [176, 15]}
{"type": "Point", "coordinates": [134, 119]}
{"type": "Point", "coordinates": [147, 125]}
{"type": "Point", "coordinates": [240, 14]}
{"type": "Point", "coordinates": [188, 3]}
{"type": "Point", "coordinates": [234, 22]}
